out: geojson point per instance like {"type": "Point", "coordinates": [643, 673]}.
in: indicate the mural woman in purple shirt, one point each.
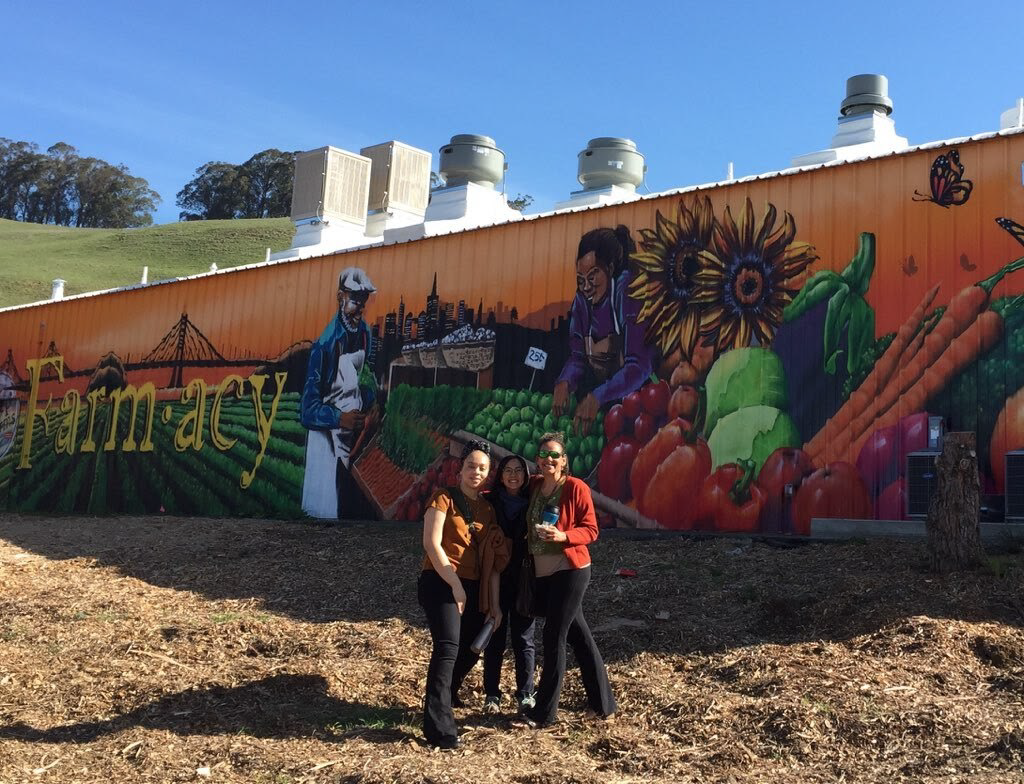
{"type": "Point", "coordinates": [608, 355]}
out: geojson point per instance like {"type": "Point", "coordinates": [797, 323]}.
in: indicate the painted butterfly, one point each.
{"type": "Point", "coordinates": [1015, 229]}
{"type": "Point", "coordinates": [947, 182]}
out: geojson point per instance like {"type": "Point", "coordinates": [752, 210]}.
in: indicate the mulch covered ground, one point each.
{"type": "Point", "coordinates": [166, 650]}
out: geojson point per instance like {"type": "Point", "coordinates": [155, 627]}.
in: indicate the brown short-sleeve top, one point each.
{"type": "Point", "coordinates": [457, 541]}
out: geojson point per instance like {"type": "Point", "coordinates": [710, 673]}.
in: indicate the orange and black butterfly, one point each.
{"type": "Point", "coordinates": [1015, 229]}
{"type": "Point", "coordinates": [949, 188]}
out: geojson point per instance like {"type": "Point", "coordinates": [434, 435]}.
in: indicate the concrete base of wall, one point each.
{"type": "Point", "coordinates": [902, 529]}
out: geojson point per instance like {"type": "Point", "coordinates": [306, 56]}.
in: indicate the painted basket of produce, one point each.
{"type": "Point", "coordinates": [469, 356]}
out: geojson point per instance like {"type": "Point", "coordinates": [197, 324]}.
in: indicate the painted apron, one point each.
{"type": "Point", "coordinates": [326, 448]}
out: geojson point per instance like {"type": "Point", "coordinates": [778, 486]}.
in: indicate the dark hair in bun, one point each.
{"type": "Point", "coordinates": [475, 445]}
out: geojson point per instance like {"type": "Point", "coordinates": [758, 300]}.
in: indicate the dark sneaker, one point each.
{"type": "Point", "coordinates": [526, 703]}
{"type": "Point", "coordinates": [492, 704]}
{"type": "Point", "coordinates": [449, 744]}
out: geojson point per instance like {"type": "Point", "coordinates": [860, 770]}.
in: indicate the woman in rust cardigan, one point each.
{"type": "Point", "coordinates": [562, 563]}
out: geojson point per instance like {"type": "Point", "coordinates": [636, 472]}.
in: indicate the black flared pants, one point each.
{"type": "Point", "coordinates": [451, 657]}
{"type": "Point", "coordinates": [561, 596]}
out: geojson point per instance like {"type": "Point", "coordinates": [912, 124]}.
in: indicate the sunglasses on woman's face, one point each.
{"type": "Point", "coordinates": [553, 453]}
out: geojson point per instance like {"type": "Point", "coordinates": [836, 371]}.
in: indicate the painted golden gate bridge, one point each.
{"type": "Point", "coordinates": [183, 346]}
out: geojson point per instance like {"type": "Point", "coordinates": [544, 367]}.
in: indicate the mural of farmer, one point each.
{"type": "Point", "coordinates": [335, 405]}
{"type": "Point", "coordinates": [608, 355]}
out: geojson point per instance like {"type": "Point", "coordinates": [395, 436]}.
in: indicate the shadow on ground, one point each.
{"type": "Point", "coordinates": [279, 706]}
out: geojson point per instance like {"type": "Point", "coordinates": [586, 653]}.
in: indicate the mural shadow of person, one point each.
{"type": "Point", "coordinates": [279, 706]}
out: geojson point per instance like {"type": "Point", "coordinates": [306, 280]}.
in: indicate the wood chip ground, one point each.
{"type": "Point", "coordinates": [182, 650]}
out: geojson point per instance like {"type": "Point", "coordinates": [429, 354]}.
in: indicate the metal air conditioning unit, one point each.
{"type": "Point", "coordinates": [399, 177]}
{"type": "Point", "coordinates": [922, 481]}
{"type": "Point", "coordinates": [331, 186]}
{"type": "Point", "coordinates": [1014, 487]}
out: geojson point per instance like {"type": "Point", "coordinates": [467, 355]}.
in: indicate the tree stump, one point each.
{"type": "Point", "coordinates": [954, 514]}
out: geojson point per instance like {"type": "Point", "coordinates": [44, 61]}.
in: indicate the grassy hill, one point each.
{"type": "Point", "coordinates": [32, 255]}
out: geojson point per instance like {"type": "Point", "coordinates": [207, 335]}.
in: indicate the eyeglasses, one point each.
{"type": "Point", "coordinates": [513, 471]}
{"type": "Point", "coordinates": [554, 453]}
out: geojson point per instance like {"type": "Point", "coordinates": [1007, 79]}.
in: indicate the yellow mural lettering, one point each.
{"type": "Point", "coordinates": [216, 437]}
{"type": "Point", "coordinates": [263, 422]}
{"type": "Point", "coordinates": [67, 432]}
{"type": "Point", "coordinates": [89, 444]}
{"type": "Point", "coordinates": [146, 392]}
{"type": "Point", "coordinates": [190, 429]}
{"type": "Point", "coordinates": [35, 371]}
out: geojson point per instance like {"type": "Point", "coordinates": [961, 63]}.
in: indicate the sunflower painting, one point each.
{"type": "Point", "coordinates": [747, 276]}
{"type": "Point", "coordinates": [664, 280]}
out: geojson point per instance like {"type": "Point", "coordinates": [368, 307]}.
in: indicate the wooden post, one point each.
{"type": "Point", "coordinates": [953, 523]}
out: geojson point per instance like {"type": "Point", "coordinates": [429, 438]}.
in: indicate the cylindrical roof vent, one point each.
{"type": "Point", "coordinates": [866, 93]}
{"type": "Point", "coordinates": [609, 160]}
{"type": "Point", "coordinates": [57, 289]}
{"type": "Point", "coordinates": [471, 158]}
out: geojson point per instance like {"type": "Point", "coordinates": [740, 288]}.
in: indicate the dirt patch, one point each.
{"type": "Point", "coordinates": [171, 650]}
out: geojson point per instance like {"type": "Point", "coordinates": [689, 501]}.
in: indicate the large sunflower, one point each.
{"type": "Point", "coordinates": [748, 276]}
{"type": "Point", "coordinates": [664, 278]}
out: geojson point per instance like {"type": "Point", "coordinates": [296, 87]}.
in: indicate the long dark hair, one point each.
{"type": "Point", "coordinates": [611, 247]}
{"type": "Point", "coordinates": [524, 488]}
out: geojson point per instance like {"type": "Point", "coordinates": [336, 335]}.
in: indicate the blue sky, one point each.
{"type": "Point", "coordinates": [165, 87]}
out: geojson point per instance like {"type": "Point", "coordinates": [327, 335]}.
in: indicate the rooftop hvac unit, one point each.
{"type": "Point", "coordinates": [1014, 487]}
{"type": "Point", "coordinates": [922, 482]}
{"type": "Point", "coordinates": [399, 177]}
{"type": "Point", "coordinates": [609, 160]}
{"type": "Point", "coordinates": [469, 157]}
{"type": "Point", "coordinates": [331, 185]}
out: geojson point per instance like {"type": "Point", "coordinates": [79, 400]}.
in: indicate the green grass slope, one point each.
{"type": "Point", "coordinates": [32, 255]}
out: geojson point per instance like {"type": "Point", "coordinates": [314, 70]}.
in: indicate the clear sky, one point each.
{"type": "Point", "coordinates": [165, 87]}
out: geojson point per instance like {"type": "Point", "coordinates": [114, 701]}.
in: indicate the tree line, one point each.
{"type": "Point", "coordinates": [61, 187]}
{"type": "Point", "coordinates": [259, 188]}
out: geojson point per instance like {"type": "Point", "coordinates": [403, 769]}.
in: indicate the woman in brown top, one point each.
{"type": "Point", "coordinates": [458, 588]}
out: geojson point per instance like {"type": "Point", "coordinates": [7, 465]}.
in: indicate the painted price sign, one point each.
{"type": "Point", "coordinates": [536, 358]}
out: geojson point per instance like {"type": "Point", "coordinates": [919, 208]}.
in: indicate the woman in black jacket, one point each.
{"type": "Point", "coordinates": [510, 497]}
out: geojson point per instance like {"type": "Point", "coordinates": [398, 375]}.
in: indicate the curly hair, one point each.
{"type": "Point", "coordinates": [475, 445]}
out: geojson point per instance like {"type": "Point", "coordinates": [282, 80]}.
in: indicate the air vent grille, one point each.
{"type": "Point", "coordinates": [400, 177]}
{"type": "Point", "coordinates": [331, 184]}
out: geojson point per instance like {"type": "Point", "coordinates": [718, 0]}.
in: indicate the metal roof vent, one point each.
{"type": "Point", "coordinates": [471, 158]}
{"type": "Point", "coordinates": [608, 161]}
{"type": "Point", "coordinates": [866, 93]}
{"type": "Point", "coordinates": [865, 127]}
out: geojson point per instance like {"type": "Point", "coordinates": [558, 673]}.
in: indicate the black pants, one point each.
{"type": "Point", "coordinates": [522, 627]}
{"type": "Point", "coordinates": [451, 657]}
{"type": "Point", "coordinates": [562, 595]}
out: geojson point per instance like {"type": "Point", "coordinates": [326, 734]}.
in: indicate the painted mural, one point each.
{"type": "Point", "coordinates": [743, 358]}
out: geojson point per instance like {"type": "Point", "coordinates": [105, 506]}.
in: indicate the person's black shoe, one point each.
{"type": "Point", "coordinates": [457, 702]}
{"type": "Point", "coordinates": [449, 744]}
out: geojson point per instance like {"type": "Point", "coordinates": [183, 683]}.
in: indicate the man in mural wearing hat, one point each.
{"type": "Point", "coordinates": [335, 405]}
